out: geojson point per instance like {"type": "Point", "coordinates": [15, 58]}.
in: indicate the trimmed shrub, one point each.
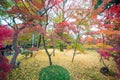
{"type": "Point", "coordinates": [54, 72]}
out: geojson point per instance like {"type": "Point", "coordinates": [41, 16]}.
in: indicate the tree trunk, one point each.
{"type": "Point", "coordinates": [45, 47]}
{"type": "Point", "coordinates": [74, 52]}
{"type": "Point", "coordinates": [75, 47]}
{"type": "Point", "coordinates": [2, 53]}
{"type": "Point", "coordinates": [13, 60]}
{"type": "Point", "coordinates": [33, 39]}
{"type": "Point", "coordinates": [54, 51]}
{"type": "Point", "coordinates": [39, 41]}
{"type": "Point", "coordinates": [61, 47]}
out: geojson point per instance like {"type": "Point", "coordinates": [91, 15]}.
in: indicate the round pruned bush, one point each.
{"type": "Point", "coordinates": [54, 72]}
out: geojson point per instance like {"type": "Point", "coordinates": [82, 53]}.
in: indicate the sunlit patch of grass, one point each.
{"type": "Point", "coordinates": [84, 67]}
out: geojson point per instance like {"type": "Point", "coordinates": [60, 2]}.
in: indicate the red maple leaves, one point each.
{"type": "Point", "coordinates": [110, 28]}
{"type": "Point", "coordinates": [5, 68]}
{"type": "Point", "coordinates": [5, 33]}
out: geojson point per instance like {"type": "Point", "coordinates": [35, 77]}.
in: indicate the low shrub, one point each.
{"type": "Point", "coordinates": [54, 72]}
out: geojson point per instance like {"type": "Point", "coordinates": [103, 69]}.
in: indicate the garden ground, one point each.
{"type": "Point", "coordinates": [86, 66]}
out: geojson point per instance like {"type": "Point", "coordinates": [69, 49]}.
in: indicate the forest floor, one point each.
{"type": "Point", "coordinates": [86, 66]}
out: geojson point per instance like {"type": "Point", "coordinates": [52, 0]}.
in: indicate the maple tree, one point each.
{"type": "Point", "coordinates": [110, 29]}
{"type": "Point", "coordinates": [83, 20]}
{"type": "Point", "coordinates": [31, 13]}
{"type": "Point", "coordinates": [63, 23]}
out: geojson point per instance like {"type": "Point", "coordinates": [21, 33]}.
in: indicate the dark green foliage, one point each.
{"type": "Point", "coordinates": [108, 5]}
{"type": "Point", "coordinates": [5, 5]}
{"type": "Point", "coordinates": [54, 72]}
{"type": "Point", "coordinates": [116, 1]}
{"type": "Point", "coordinates": [61, 47]}
{"type": "Point", "coordinates": [99, 2]}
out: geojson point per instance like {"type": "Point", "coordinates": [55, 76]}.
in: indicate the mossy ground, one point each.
{"type": "Point", "coordinates": [85, 66]}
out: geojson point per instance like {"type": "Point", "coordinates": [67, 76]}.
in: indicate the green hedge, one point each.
{"type": "Point", "coordinates": [54, 72]}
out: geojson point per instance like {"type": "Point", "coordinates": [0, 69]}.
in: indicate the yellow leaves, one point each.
{"type": "Point", "coordinates": [7, 42]}
{"type": "Point", "coordinates": [98, 45]}
{"type": "Point", "coordinates": [25, 36]}
{"type": "Point", "coordinates": [59, 18]}
{"type": "Point", "coordinates": [101, 45]}
{"type": "Point", "coordinates": [26, 7]}
{"type": "Point", "coordinates": [69, 47]}
{"type": "Point", "coordinates": [86, 45]}
{"type": "Point", "coordinates": [108, 46]}
{"type": "Point", "coordinates": [89, 46]}
{"type": "Point", "coordinates": [30, 8]}
{"type": "Point", "coordinates": [80, 48]}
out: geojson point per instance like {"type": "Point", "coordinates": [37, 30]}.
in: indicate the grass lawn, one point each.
{"type": "Point", "coordinates": [85, 66]}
